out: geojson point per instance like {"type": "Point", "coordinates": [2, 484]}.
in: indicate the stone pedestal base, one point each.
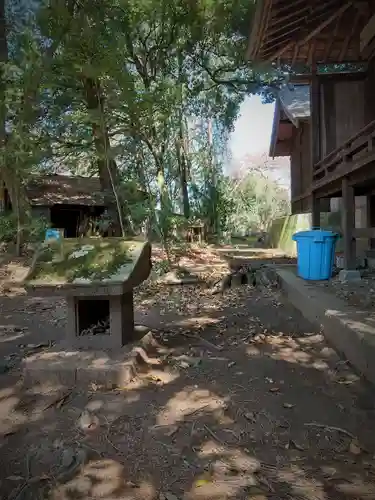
{"type": "Point", "coordinates": [349, 275]}
{"type": "Point", "coordinates": [83, 309]}
{"type": "Point", "coordinates": [64, 367]}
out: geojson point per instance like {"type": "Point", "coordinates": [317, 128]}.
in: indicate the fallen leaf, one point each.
{"type": "Point", "coordinates": [10, 433]}
{"type": "Point", "coordinates": [167, 496]}
{"type": "Point", "coordinates": [172, 431]}
{"type": "Point", "coordinates": [68, 457]}
{"type": "Point", "coordinates": [293, 445]}
{"type": "Point", "coordinates": [256, 493]}
{"type": "Point", "coordinates": [274, 389]}
{"type": "Point", "coordinates": [355, 448]}
{"type": "Point", "coordinates": [288, 405]}
{"type": "Point", "coordinates": [201, 482]}
{"type": "Point", "coordinates": [88, 422]}
{"type": "Point", "coordinates": [38, 479]}
{"type": "Point", "coordinates": [250, 416]}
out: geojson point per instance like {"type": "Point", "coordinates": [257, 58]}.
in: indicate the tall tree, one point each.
{"type": "Point", "coordinates": [116, 88]}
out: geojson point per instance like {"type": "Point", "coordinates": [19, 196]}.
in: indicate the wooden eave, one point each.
{"type": "Point", "coordinates": [275, 128]}
{"type": "Point", "coordinates": [304, 31]}
{"type": "Point", "coordinates": [282, 131]}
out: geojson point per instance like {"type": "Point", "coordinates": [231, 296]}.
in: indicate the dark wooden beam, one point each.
{"type": "Point", "coordinates": [371, 216]}
{"type": "Point", "coordinates": [369, 100]}
{"type": "Point", "coordinates": [345, 45]}
{"type": "Point", "coordinates": [267, 12]}
{"type": "Point", "coordinates": [329, 106]}
{"type": "Point", "coordinates": [331, 191]}
{"type": "Point", "coordinates": [364, 232]}
{"type": "Point", "coordinates": [281, 51]}
{"type": "Point", "coordinates": [282, 21]}
{"type": "Point", "coordinates": [335, 32]}
{"type": "Point", "coordinates": [295, 55]}
{"type": "Point", "coordinates": [287, 7]}
{"type": "Point", "coordinates": [271, 42]}
{"type": "Point", "coordinates": [257, 28]}
{"type": "Point", "coordinates": [315, 107]}
{"type": "Point", "coordinates": [312, 16]}
{"type": "Point", "coordinates": [325, 23]}
{"type": "Point", "coordinates": [367, 34]}
{"type": "Point", "coordinates": [310, 55]}
{"type": "Point", "coordinates": [315, 209]}
{"type": "Point", "coordinates": [348, 224]}
{"type": "Point", "coordinates": [346, 169]}
{"type": "Point", "coordinates": [305, 79]}
{"type": "Point", "coordinates": [315, 139]}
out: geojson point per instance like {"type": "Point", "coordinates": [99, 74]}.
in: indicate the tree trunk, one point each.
{"type": "Point", "coordinates": [212, 181]}
{"type": "Point", "coordinates": [183, 180]}
{"type": "Point", "coordinates": [183, 174]}
{"type": "Point", "coordinates": [9, 175]}
{"type": "Point", "coordinates": [107, 167]}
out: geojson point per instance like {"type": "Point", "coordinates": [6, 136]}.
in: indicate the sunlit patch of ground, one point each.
{"type": "Point", "coordinates": [243, 400]}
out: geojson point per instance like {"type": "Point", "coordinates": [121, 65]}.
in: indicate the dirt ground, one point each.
{"type": "Point", "coordinates": [359, 294]}
{"type": "Point", "coordinates": [242, 399]}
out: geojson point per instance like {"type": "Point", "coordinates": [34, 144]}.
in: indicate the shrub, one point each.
{"type": "Point", "coordinates": [33, 231]}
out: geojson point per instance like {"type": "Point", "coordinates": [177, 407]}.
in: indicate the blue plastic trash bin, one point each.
{"type": "Point", "coordinates": [315, 254]}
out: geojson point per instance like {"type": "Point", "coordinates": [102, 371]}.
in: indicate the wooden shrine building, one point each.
{"type": "Point", "coordinates": [291, 137]}
{"type": "Point", "coordinates": [331, 45]}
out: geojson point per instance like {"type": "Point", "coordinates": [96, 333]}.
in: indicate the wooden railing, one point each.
{"type": "Point", "coordinates": [356, 152]}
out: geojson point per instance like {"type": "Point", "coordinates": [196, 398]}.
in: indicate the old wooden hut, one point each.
{"type": "Point", "coordinates": [63, 200]}
{"type": "Point", "coordinates": [332, 43]}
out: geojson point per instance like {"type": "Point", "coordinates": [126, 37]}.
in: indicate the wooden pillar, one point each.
{"type": "Point", "coordinates": [315, 138]}
{"type": "Point", "coordinates": [371, 217]}
{"type": "Point", "coordinates": [348, 224]}
{"type": "Point", "coordinates": [122, 318]}
{"type": "Point", "coordinates": [328, 118]}
{"type": "Point", "coordinates": [315, 216]}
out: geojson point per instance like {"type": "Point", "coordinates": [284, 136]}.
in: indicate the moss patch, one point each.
{"type": "Point", "coordinates": [85, 259]}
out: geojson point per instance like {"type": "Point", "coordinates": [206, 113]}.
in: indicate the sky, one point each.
{"type": "Point", "coordinates": [253, 128]}
{"type": "Point", "coordinates": [252, 136]}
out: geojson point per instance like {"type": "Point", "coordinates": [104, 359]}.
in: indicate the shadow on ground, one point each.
{"type": "Point", "coordinates": [244, 400]}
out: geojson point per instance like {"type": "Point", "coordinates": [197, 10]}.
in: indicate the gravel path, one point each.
{"type": "Point", "coordinates": [243, 400]}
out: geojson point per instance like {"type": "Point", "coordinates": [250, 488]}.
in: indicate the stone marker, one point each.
{"type": "Point", "coordinates": [97, 276]}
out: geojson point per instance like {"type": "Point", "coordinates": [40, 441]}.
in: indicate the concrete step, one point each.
{"type": "Point", "coordinates": [350, 331]}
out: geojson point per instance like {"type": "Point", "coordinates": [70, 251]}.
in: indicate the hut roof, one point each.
{"type": "Point", "coordinates": [57, 189]}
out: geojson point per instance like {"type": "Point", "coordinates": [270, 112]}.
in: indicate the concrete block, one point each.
{"type": "Point", "coordinates": [69, 367]}
{"type": "Point", "coordinates": [121, 321]}
{"type": "Point", "coordinates": [349, 275]}
{"type": "Point", "coordinates": [350, 331]}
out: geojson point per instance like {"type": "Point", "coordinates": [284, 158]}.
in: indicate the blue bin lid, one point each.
{"type": "Point", "coordinates": [314, 233]}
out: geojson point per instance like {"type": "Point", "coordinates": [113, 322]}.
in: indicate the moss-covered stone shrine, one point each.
{"type": "Point", "coordinates": [97, 276]}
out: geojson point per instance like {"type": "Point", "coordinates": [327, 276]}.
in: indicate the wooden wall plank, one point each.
{"type": "Point", "coordinates": [349, 105]}
{"type": "Point", "coordinates": [348, 224]}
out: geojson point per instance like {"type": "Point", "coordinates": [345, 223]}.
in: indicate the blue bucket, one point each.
{"type": "Point", "coordinates": [52, 234]}
{"type": "Point", "coordinates": [315, 254]}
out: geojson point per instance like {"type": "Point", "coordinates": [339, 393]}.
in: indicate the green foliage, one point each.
{"type": "Point", "coordinates": [253, 201]}
{"type": "Point", "coordinates": [142, 92]}
{"type": "Point", "coordinates": [94, 260]}
{"type": "Point", "coordinates": [8, 228]}
{"type": "Point", "coordinates": [33, 230]}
